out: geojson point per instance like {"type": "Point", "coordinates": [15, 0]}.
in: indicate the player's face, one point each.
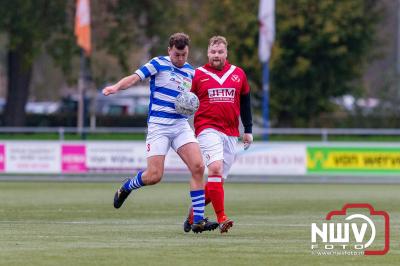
{"type": "Point", "coordinates": [178, 57]}
{"type": "Point", "coordinates": [217, 54]}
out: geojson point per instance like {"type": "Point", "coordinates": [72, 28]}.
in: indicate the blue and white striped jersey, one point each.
{"type": "Point", "coordinates": [166, 82]}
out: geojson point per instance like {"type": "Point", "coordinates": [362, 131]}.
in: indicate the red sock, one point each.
{"type": "Point", "coordinates": [207, 194]}
{"type": "Point", "coordinates": [215, 190]}
{"type": "Point", "coordinates": [208, 200]}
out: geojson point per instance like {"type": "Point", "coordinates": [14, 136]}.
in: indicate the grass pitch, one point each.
{"type": "Point", "coordinates": [55, 223]}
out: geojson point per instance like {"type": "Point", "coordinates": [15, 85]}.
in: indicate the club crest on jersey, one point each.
{"type": "Point", "coordinates": [221, 95]}
{"type": "Point", "coordinates": [235, 78]}
{"type": "Point", "coordinates": [187, 83]}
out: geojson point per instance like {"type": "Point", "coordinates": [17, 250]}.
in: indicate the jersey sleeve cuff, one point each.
{"type": "Point", "coordinates": [140, 74]}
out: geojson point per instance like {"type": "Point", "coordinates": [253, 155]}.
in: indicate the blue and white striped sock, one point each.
{"type": "Point", "coordinates": [134, 183]}
{"type": "Point", "coordinates": [198, 203]}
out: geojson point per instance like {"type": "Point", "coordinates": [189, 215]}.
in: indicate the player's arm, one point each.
{"type": "Point", "coordinates": [245, 113]}
{"type": "Point", "coordinates": [145, 71]}
{"type": "Point", "coordinates": [247, 120]}
{"type": "Point", "coordinates": [123, 84]}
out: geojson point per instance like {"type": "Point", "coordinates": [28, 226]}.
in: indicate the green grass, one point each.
{"type": "Point", "coordinates": [56, 223]}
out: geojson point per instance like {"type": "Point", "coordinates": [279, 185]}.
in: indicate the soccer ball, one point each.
{"type": "Point", "coordinates": [186, 103]}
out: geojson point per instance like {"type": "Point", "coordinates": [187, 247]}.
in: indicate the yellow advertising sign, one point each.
{"type": "Point", "coordinates": [369, 159]}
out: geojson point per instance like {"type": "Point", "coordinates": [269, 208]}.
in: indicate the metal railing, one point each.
{"type": "Point", "coordinates": [324, 133]}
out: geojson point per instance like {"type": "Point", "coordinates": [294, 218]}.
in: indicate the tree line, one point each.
{"type": "Point", "coordinates": [320, 49]}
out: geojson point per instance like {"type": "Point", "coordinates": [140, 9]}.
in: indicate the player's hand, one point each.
{"type": "Point", "coordinates": [110, 90]}
{"type": "Point", "coordinates": [247, 140]}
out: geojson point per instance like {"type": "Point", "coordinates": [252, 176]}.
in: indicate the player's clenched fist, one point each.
{"type": "Point", "coordinates": [110, 90]}
{"type": "Point", "coordinates": [247, 140]}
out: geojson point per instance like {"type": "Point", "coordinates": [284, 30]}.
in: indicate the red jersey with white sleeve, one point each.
{"type": "Point", "coordinates": [219, 94]}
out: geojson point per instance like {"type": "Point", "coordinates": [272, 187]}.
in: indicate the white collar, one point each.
{"type": "Point", "coordinates": [214, 76]}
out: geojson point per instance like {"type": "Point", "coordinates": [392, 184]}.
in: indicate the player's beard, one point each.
{"type": "Point", "coordinates": [217, 64]}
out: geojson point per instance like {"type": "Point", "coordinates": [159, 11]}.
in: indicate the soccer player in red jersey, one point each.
{"type": "Point", "coordinates": [224, 95]}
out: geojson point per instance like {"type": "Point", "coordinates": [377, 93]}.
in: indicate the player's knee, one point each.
{"type": "Point", "coordinates": [214, 170]}
{"type": "Point", "coordinates": [154, 177]}
{"type": "Point", "coordinates": [198, 169]}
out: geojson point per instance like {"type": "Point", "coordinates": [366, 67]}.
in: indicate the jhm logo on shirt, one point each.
{"type": "Point", "coordinates": [221, 95]}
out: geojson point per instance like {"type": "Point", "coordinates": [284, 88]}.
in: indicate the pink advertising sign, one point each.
{"type": "Point", "coordinates": [73, 158]}
{"type": "Point", "coordinates": [2, 158]}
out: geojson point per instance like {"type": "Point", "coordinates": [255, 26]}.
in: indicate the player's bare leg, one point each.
{"type": "Point", "coordinates": [151, 176]}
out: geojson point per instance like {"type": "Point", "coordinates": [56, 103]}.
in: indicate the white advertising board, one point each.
{"type": "Point", "coordinates": [129, 156]}
{"type": "Point", "coordinates": [115, 156]}
{"type": "Point", "coordinates": [32, 157]}
{"type": "Point", "coordinates": [270, 159]}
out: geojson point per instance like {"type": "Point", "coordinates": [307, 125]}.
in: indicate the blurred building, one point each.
{"type": "Point", "coordinates": [132, 101]}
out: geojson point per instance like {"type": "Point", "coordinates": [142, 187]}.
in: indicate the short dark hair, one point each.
{"type": "Point", "coordinates": [180, 40]}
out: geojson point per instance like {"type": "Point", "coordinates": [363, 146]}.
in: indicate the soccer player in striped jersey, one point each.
{"type": "Point", "coordinates": [224, 95]}
{"type": "Point", "coordinates": [169, 76]}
